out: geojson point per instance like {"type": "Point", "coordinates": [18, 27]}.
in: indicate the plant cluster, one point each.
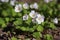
{"type": "Point", "coordinates": [33, 17]}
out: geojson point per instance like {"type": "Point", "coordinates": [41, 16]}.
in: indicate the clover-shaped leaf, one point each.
{"type": "Point", "coordinates": [7, 19]}
{"type": "Point", "coordinates": [23, 28]}
{"type": "Point", "coordinates": [2, 23]}
{"type": "Point", "coordinates": [48, 37]}
{"type": "Point", "coordinates": [4, 13]}
{"type": "Point", "coordinates": [50, 11]}
{"type": "Point", "coordinates": [37, 35]}
{"type": "Point", "coordinates": [13, 13]}
{"type": "Point", "coordinates": [18, 21]}
{"type": "Point", "coordinates": [40, 28]}
{"type": "Point", "coordinates": [52, 26]}
{"type": "Point", "coordinates": [13, 38]}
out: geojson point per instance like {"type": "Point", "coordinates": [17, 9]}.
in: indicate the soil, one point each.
{"type": "Point", "coordinates": [22, 35]}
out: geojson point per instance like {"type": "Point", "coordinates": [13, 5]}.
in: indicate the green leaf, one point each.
{"type": "Point", "coordinates": [52, 4]}
{"type": "Point", "coordinates": [4, 25]}
{"type": "Point", "coordinates": [19, 39]}
{"type": "Point", "coordinates": [37, 35]}
{"type": "Point", "coordinates": [11, 19]}
{"type": "Point", "coordinates": [7, 19]}
{"type": "Point", "coordinates": [40, 28]}
{"type": "Point", "coordinates": [18, 22]}
{"type": "Point", "coordinates": [23, 28]}
{"type": "Point", "coordinates": [29, 21]}
{"type": "Point", "coordinates": [4, 13]}
{"type": "Point", "coordinates": [34, 27]}
{"type": "Point", "coordinates": [50, 11]}
{"type": "Point", "coordinates": [1, 21]}
{"type": "Point", "coordinates": [27, 29]}
{"type": "Point", "coordinates": [27, 39]}
{"type": "Point", "coordinates": [13, 13]}
{"type": "Point", "coordinates": [31, 29]}
{"type": "Point", "coordinates": [17, 27]}
{"type": "Point", "coordinates": [14, 38]}
{"type": "Point", "coordinates": [55, 11]}
{"type": "Point", "coordinates": [48, 37]}
{"type": "Point", "coordinates": [43, 23]}
{"type": "Point", "coordinates": [52, 26]}
{"type": "Point", "coordinates": [19, 14]}
{"type": "Point", "coordinates": [25, 11]}
{"type": "Point", "coordinates": [44, 7]}
{"type": "Point", "coordinates": [59, 6]}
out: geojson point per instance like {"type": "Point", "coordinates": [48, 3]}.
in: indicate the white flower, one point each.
{"type": "Point", "coordinates": [4, 0]}
{"type": "Point", "coordinates": [47, 1]}
{"type": "Point", "coordinates": [25, 17]}
{"type": "Point", "coordinates": [40, 19]}
{"type": "Point", "coordinates": [31, 6]}
{"type": "Point", "coordinates": [34, 20]}
{"type": "Point", "coordinates": [55, 21]}
{"type": "Point", "coordinates": [26, 6]}
{"type": "Point", "coordinates": [35, 6]}
{"type": "Point", "coordinates": [33, 14]}
{"type": "Point", "coordinates": [18, 8]}
{"type": "Point", "coordinates": [12, 2]}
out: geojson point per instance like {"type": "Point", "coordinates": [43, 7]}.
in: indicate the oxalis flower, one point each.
{"type": "Point", "coordinates": [47, 1]}
{"type": "Point", "coordinates": [12, 2]}
{"type": "Point", "coordinates": [4, 0]}
{"type": "Point", "coordinates": [34, 20]}
{"type": "Point", "coordinates": [55, 21]}
{"type": "Point", "coordinates": [25, 17]}
{"type": "Point", "coordinates": [32, 14]}
{"type": "Point", "coordinates": [18, 8]}
{"type": "Point", "coordinates": [35, 6]}
{"type": "Point", "coordinates": [25, 6]}
{"type": "Point", "coordinates": [39, 19]}
{"type": "Point", "coordinates": [31, 6]}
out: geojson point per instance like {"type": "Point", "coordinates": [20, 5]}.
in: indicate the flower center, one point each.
{"type": "Point", "coordinates": [33, 15]}
{"type": "Point", "coordinates": [39, 18]}
{"type": "Point", "coordinates": [18, 8]}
